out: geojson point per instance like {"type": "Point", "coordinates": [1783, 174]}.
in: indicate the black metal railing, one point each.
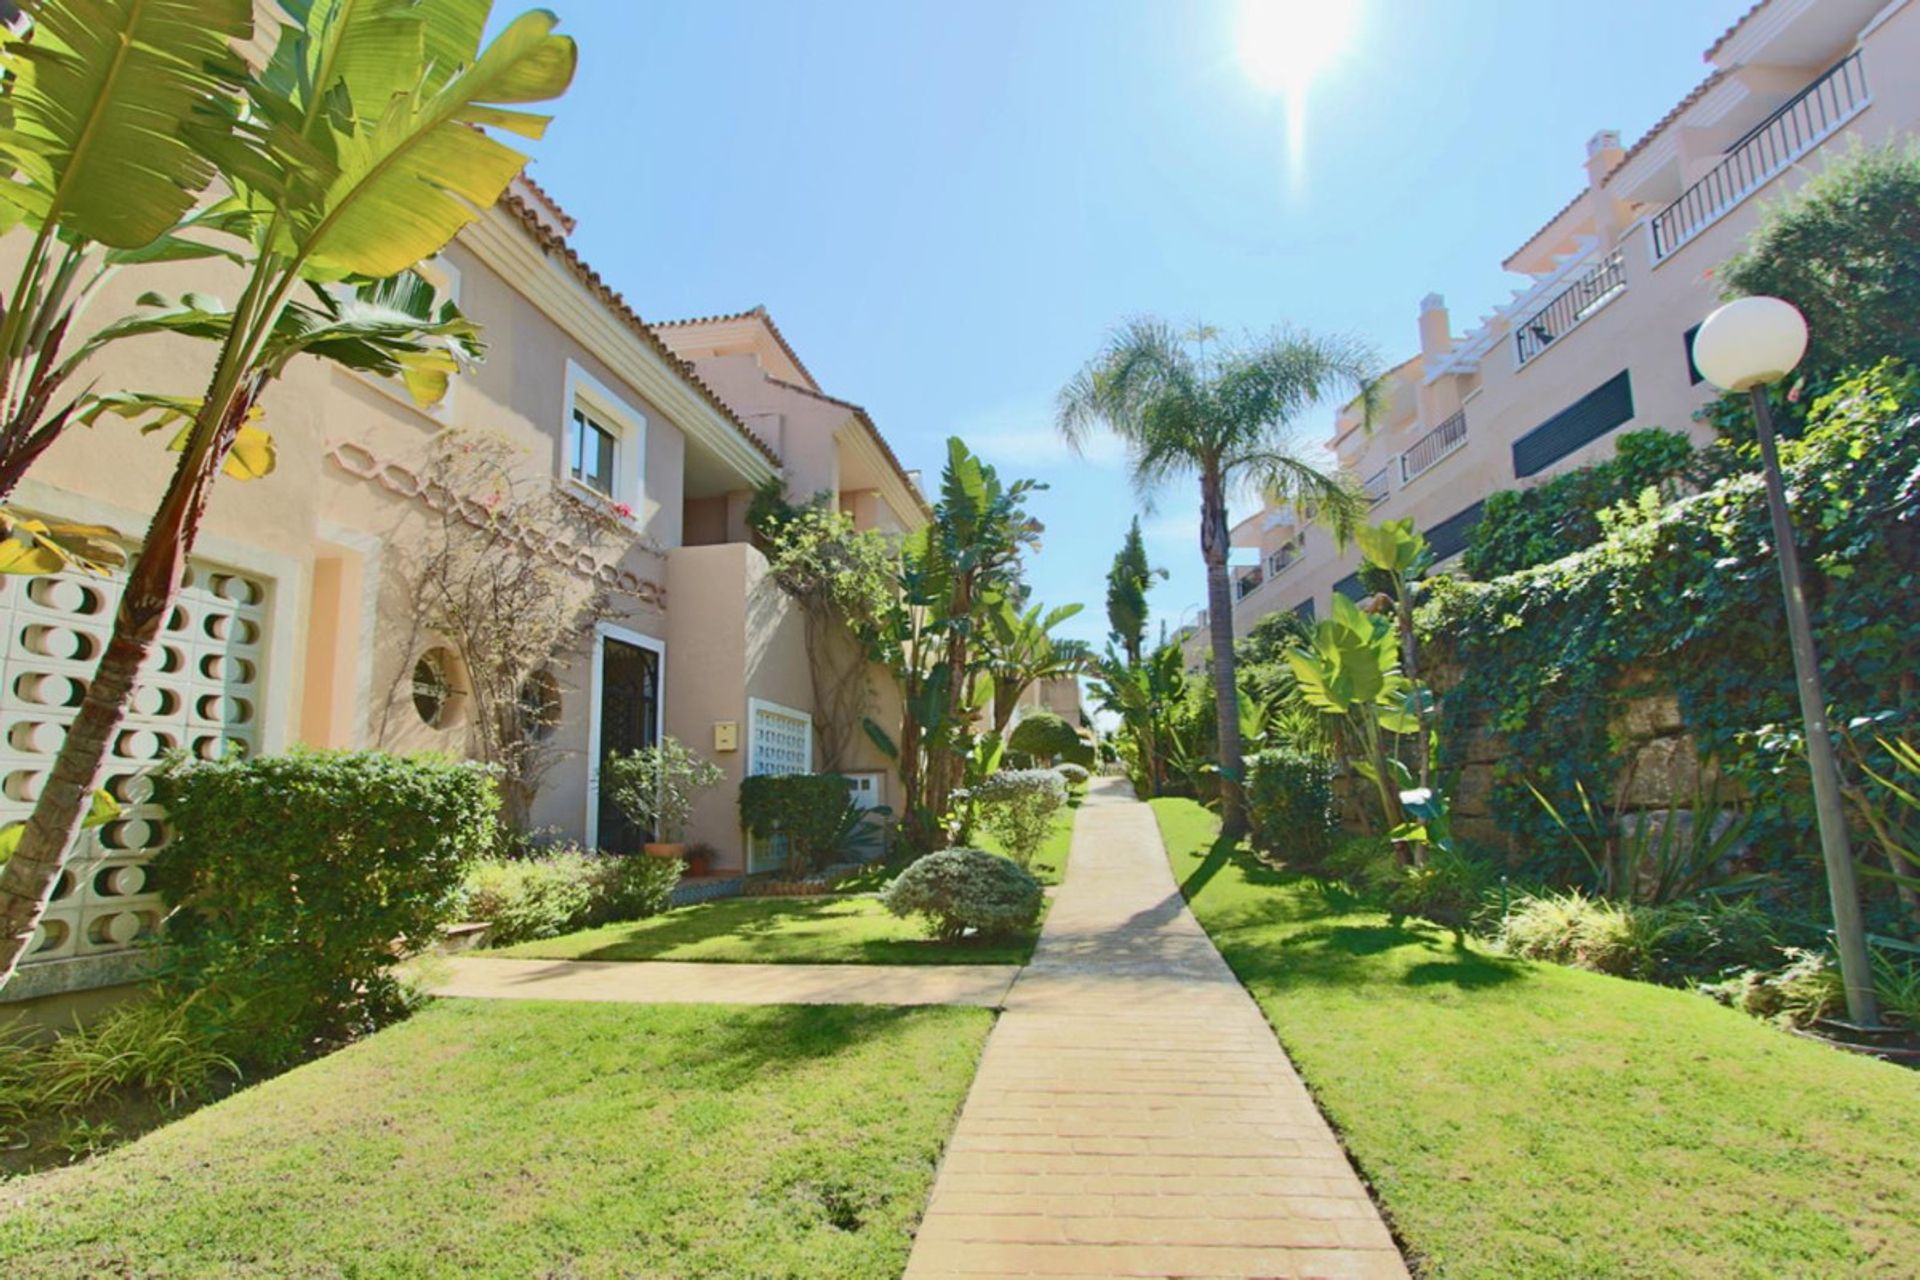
{"type": "Point", "coordinates": [1806, 121]}
{"type": "Point", "coordinates": [1570, 306]}
{"type": "Point", "coordinates": [1433, 446]}
{"type": "Point", "coordinates": [1247, 582]}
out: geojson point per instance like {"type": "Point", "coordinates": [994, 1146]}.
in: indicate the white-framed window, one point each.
{"type": "Point", "coordinates": [603, 450]}
{"type": "Point", "coordinates": [779, 743]}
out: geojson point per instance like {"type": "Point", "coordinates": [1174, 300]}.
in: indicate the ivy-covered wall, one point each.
{"type": "Point", "coordinates": [1669, 636]}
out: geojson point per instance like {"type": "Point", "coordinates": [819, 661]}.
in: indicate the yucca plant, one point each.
{"type": "Point", "coordinates": [1660, 855]}
{"type": "Point", "coordinates": [360, 149]}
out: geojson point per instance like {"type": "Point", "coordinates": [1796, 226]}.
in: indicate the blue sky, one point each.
{"type": "Point", "coordinates": [946, 206]}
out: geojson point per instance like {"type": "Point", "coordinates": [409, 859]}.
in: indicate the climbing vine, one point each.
{"type": "Point", "coordinates": [1686, 598]}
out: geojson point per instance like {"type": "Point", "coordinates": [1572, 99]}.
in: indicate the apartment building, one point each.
{"type": "Point", "coordinates": [1598, 339]}
{"type": "Point", "coordinates": [299, 623]}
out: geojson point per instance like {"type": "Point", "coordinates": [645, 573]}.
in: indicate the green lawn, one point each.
{"type": "Point", "coordinates": [1049, 865]}
{"type": "Point", "coordinates": [515, 1139]}
{"type": "Point", "coordinates": [834, 929]}
{"type": "Point", "coordinates": [1520, 1119]}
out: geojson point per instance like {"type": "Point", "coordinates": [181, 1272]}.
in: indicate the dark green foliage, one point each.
{"type": "Point", "coordinates": [1043, 735]}
{"type": "Point", "coordinates": [1845, 249]}
{"type": "Point", "coordinates": [292, 878]}
{"type": "Point", "coordinates": [1290, 803]}
{"type": "Point", "coordinates": [967, 890]}
{"type": "Point", "coordinates": [1127, 583]}
{"type": "Point", "coordinates": [809, 809]}
{"type": "Point", "coordinates": [1689, 600]}
{"type": "Point", "coordinates": [1521, 528]}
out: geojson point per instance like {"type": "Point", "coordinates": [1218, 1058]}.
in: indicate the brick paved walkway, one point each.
{"type": "Point", "coordinates": [1133, 1114]}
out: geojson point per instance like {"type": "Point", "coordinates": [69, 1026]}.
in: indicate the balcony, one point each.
{"type": "Point", "coordinates": [1806, 121]}
{"type": "Point", "coordinates": [1433, 446]}
{"type": "Point", "coordinates": [1376, 487]}
{"type": "Point", "coordinates": [1592, 291]}
{"type": "Point", "coordinates": [1246, 582]}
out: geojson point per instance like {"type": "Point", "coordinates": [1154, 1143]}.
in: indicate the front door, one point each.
{"type": "Point", "coordinates": [629, 720]}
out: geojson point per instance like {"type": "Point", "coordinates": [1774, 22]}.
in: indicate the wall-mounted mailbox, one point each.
{"type": "Point", "coordinates": [726, 735]}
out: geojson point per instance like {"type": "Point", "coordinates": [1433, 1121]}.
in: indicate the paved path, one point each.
{"type": "Point", "coordinates": [1133, 1114]}
{"type": "Point", "coordinates": [671, 982]}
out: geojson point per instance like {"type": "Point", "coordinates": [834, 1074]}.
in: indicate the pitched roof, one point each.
{"type": "Point", "coordinates": [555, 244]}
{"type": "Point", "coordinates": [861, 416]}
{"type": "Point", "coordinates": [765, 317]}
{"type": "Point", "coordinates": [1738, 23]}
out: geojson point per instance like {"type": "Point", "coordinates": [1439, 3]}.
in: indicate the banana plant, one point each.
{"type": "Point", "coordinates": [108, 107]}
{"type": "Point", "coordinates": [1350, 670]}
{"type": "Point", "coordinates": [361, 148]}
{"type": "Point", "coordinates": [1020, 650]}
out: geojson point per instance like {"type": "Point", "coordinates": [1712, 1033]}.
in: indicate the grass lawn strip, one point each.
{"type": "Point", "coordinates": [1049, 865]}
{"type": "Point", "coordinates": [835, 929]}
{"type": "Point", "coordinates": [1521, 1119]}
{"type": "Point", "coordinates": [513, 1139]}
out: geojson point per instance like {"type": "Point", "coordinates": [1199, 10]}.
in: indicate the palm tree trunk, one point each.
{"type": "Point", "coordinates": [1213, 546]}
{"type": "Point", "coordinates": [28, 878]}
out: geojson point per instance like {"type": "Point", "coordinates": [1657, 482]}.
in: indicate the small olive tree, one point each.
{"type": "Point", "coordinates": [1016, 806]}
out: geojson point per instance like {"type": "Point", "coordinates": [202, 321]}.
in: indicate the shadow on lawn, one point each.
{"type": "Point", "coordinates": [1298, 930]}
{"type": "Point", "coordinates": [752, 1043]}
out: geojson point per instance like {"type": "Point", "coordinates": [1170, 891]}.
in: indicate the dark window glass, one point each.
{"type": "Point", "coordinates": [590, 453]}
{"type": "Point", "coordinates": [1580, 423]}
{"type": "Point", "coordinates": [1694, 375]}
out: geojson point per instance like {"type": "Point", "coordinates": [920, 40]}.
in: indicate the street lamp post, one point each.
{"type": "Point", "coordinates": [1744, 346]}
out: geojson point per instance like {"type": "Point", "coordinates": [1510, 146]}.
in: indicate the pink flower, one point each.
{"type": "Point", "coordinates": [623, 510]}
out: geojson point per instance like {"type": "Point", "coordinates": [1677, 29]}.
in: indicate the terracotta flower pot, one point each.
{"type": "Point", "coordinates": [664, 849]}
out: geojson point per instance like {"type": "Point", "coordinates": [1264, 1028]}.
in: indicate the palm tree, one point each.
{"type": "Point", "coordinates": [1020, 650]}
{"type": "Point", "coordinates": [1227, 416]}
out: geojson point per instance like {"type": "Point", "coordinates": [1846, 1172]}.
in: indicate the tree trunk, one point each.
{"type": "Point", "coordinates": [28, 879]}
{"type": "Point", "coordinates": [1410, 668]}
{"type": "Point", "coordinates": [1213, 546]}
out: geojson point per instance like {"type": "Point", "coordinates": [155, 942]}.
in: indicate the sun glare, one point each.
{"type": "Point", "coordinates": [1285, 43]}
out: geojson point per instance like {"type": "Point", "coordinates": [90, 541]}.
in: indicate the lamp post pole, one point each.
{"type": "Point", "coordinates": [1856, 967]}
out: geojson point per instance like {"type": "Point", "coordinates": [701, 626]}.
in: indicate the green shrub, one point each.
{"type": "Point", "coordinates": [632, 887]}
{"type": "Point", "coordinates": [1017, 806]}
{"type": "Point", "coordinates": [1709, 937]}
{"type": "Point", "coordinates": [1074, 775]}
{"type": "Point", "coordinates": [1043, 736]}
{"type": "Point", "coordinates": [563, 887]}
{"type": "Point", "coordinates": [967, 890]}
{"type": "Point", "coordinates": [655, 787]}
{"type": "Point", "coordinates": [292, 878]}
{"type": "Point", "coordinates": [1520, 528]}
{"type": "Point", "coordinates": [1447, 890]}
{"type": "Point", "coordinates": [527, 898]}
{"type": "Point", "coordinates": [1290, 803]}
{"type": "Point", "coordinates": [1589, 933]}
{"type": "Point", "coordinates": [812, 811]}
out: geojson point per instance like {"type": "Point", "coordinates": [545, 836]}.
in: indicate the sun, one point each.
{"type": "Point", "coordinates": [1283, 44]}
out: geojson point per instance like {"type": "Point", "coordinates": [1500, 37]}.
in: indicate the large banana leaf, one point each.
{"type": "Point", "coordinates": [105, 99]}
{"type": "Point", "coordinates": [406, 167]}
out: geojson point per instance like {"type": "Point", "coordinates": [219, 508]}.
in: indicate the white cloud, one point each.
{"type": "Point", "coordinates": [1023, 435]}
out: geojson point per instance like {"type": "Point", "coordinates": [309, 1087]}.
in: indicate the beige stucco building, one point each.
{"type": "Point", "coordinates": [299, 622]}
{"type": "Point", "coordinates": [1597, 339]}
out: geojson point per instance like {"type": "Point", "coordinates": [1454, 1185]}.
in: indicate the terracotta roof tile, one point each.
{"type": "Point", "coordinates": [755, 313]}
{"type": "Point", "coordinates": [557, 245]}
{"type": "Point", "coordinates": [1727, 35]}
{"type": "Point", "coordinates": [552, 206]}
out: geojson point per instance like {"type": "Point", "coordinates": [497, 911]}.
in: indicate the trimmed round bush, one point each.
{"type": "Point", "coordinates": [1074, 775]}
{"type": "Point", "coordinates": [1016, 806]}
{"type": "Point", "coordinates": [966, 890]}
{"type": "Point", "coordinates": [1043, 735]}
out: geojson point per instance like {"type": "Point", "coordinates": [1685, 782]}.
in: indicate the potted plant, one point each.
{"type": "Point", "coordinates": [655, 788]}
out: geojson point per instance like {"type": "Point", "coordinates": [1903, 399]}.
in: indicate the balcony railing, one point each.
{"type": "Point", "coordinates": [1376, 488]}
{"type": "Point", "coordinates": [1433, 446]}
{"type": "Point", "coordinates": [1247, 582]}
{"type": "Point", "coordinates": [1286, 557]}
{"type": "Point", "coordinates": [1592, 291]}
{"type": "Point", "coordinates": [1776, 142]}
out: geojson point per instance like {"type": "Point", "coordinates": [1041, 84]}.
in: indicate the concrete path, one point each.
{"type": "Point", "coordinates": [671, 982]}
{"type": "Point", "coordinates": [1133, 1114]}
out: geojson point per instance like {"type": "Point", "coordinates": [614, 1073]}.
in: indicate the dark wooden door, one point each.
{"type": "Point", "coordinates": [629, 719]}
